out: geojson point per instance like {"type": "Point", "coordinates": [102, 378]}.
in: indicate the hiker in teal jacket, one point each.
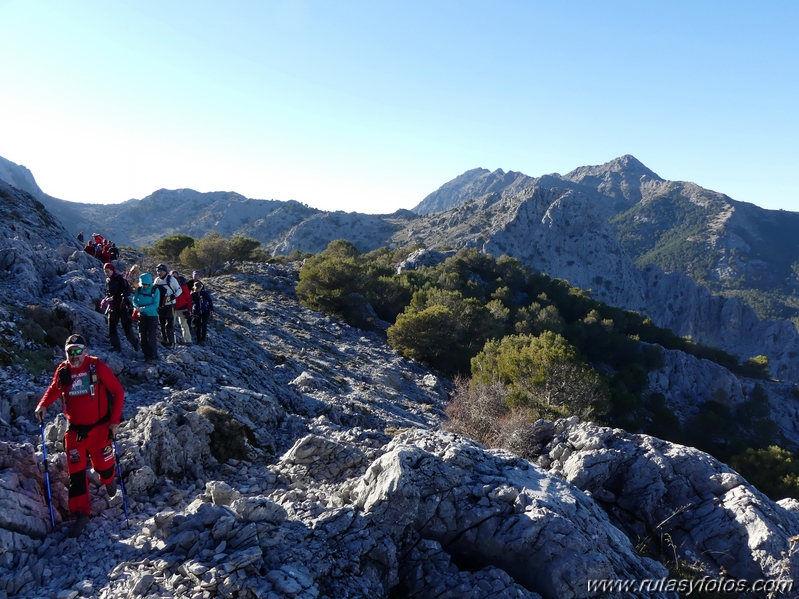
{"type": "Point", "coordinates": [145, 299]}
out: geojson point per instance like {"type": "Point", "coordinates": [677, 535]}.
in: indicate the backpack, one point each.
{"type": "Point", "coordinates": [117, 279]}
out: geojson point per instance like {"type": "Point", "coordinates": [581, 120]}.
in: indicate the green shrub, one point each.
{"type": "Point", "coordinates": [544, 373]}
{"type": "Point", "coordinates": [389, 296]}
{"type": "Point", "coordinates": [432, 337]}
{"type": "Point", "coordinates": [757, 367]}
{"type": "Point", "coordinates": [331, 282]}
{"type": "Point", "coordinates": [245, 249]}
{"type": "Point", "coordinates": [171, 247]}
{"type": "Point", "coordinates": [209, 253]}
{"type": "Point", "coordinates": [664, 422]}
{"type": "Point", "coordinates": [773, 470]}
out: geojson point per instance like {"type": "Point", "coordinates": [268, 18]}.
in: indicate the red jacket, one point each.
{"type": "Point", "coordinates": [84, 404]}
{"type": "Point", "coordinates": [183, 301]}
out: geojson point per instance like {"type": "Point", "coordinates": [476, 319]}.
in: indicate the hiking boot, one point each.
{"type": "Point", "coordinates": [111, 488]}
{"type": "Point", "coordinates": [77, 527]}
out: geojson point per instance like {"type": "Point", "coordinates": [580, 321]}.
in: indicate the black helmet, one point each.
{"type": "Point", "coordinates": [75, 340]}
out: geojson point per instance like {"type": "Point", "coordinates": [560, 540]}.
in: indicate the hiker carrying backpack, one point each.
{"type": "Point", "coordinates": [146, 299]}
{"type": "Point", "coordinates": [170, 291]}
{"type": "Point", "coordinates": [117, 292]}
{"type": "Point", "coordinates": [202, 306]}
{"type": "Point", "coordinates": [92, 398]}
{"type": "Point", "coordinates": [183, 308]}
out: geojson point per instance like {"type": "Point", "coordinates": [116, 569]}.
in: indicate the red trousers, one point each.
{"type": "Point", "coordinates": [98, 446]}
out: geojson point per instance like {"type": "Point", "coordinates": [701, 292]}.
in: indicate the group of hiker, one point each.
{"type": "Point", "coordinates": [154, 303]}
{"type": "Point", "coordinates": [101, 248]}
{"type": "Point", "coordinates": [91, 395]}
{"type": "Point", "coordinates": [159, 300]}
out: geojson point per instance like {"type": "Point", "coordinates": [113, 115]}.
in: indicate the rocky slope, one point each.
{"type": "Point", "coordinates": [341, 482]}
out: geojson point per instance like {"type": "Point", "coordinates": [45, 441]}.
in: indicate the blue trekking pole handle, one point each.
{"type": "Point", "coordinates": [47, 476]}
{"type": "Point", "coordinates": [121, 482]}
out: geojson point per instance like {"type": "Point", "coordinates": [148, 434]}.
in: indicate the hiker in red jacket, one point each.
{"type": "Point", "coordinates": [183, 308]}
{"type": "Point", "coordinates": [92, 400]}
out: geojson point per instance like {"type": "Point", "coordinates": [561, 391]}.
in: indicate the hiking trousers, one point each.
{"type": "Point", "coordinates": [166, 316]}
{"type": "Point", "coordinates": [98, 446]}
{"type": "Point", "coordinates": [115, 318]}
{"type": "Point", "coordinates": [183, 325]}
{"type": "Point", "coordinates": [148, 327]}
{"type": "Point", "coordinates": [201, 326]}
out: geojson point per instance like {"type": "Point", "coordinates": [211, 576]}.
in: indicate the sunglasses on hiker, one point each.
{"type": "Point", "coordinates": [75, 351]}
{"type": "Point", "coordinates": [145, 284]}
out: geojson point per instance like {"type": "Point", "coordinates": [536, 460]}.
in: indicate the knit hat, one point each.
{"type": "Point", "coordinates": [161, 267]}
{"type": "Point", "coordinates": [75, 341]}
{"type": "Point", "coordinates": [109, 266]}
{"type": "Point", "coordinates": [198, 284]}
{"type": "Point", "coordinates": [195, 272]}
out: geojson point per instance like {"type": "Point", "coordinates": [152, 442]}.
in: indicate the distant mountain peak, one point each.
{"type": "Point", "coordinates": [20, 177]}
{"type": "Point", "coordinates": [628, 166]}
{"type": "Point", "coordinates": [621, 178]}
{"type": "Point", "coordinates": [471, 184]}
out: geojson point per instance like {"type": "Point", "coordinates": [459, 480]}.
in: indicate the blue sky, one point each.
{"type": "Point", "coordinates": [369, 106]}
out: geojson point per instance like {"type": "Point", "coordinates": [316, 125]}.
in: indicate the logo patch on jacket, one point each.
{"type": "Point", "coordinates": [80, 385]}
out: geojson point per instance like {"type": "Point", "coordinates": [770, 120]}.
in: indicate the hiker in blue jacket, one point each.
{"type": "Point", "coordinates": [145, 299]}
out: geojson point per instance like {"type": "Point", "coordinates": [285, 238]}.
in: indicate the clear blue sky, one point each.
{"type": "Point", "coordinates": [369, 106]}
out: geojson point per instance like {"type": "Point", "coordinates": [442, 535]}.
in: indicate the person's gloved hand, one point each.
{"type": "Point", "coordinates": [112, 430]}
{"type": "Point", "coordinates": [39, 413]}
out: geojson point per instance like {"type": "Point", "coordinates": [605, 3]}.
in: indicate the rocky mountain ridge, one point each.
{"type": "Point", "coordinates": [345, 484]}
{"type": "Point", "coordinates": [564, 233]}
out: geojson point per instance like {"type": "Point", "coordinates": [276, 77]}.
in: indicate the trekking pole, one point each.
{"type": "Point", "coordinates": [47, 476]}
{"type": "Point", "coordinates": [121, 483]}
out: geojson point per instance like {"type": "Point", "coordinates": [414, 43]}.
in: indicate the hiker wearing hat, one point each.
{"type": "Point", "coordinates": [146, 299]}
{"type": "Point", "coordinates": [201, 307]}
{"type": "Point", "coordinates": [92, 399]}
{"type": "Point", "coordinates": [117, 291]}
{"type": "Point", "coordinates": [170, 290]}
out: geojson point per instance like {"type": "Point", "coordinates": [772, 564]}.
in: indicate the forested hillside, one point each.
{"type": "Point", "coordinates": [553, 349]}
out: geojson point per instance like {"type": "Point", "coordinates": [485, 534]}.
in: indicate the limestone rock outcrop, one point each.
{"type": "Point", "coordinates": [663, 492]}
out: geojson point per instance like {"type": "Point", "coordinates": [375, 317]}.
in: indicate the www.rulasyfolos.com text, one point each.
{"type": "Point", "coordinates": [706, 584]}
